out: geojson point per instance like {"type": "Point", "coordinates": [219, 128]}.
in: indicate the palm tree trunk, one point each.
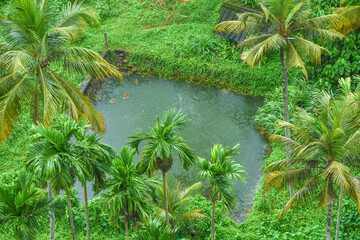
{"type": "Point", "coordinates": [134, 225]}
{"type": "Point", "coordinates": [213, 219]}
{"type": "Point", "coordinates": [52, 215]}
{"type": "Point", "coordinates": [339, 216]}
{"type": "Point", "coordinates": [286, 113]}
{"type": "Point", "coordinates": [166, 199]}
{"type": "Point", "coordinates": [71, 217]}
{"type": "Point", "coordinates": [126, 221]}
{"type": "Point", "coordinates": [86, 213]}
{"type": "Point", "coordinates": [328, 221]}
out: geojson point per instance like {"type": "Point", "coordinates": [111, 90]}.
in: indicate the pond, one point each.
{"type": "Point", "coordinates": [217, 117]}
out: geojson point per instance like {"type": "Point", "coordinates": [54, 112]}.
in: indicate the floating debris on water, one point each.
{"type": "Point", "coordinates": [113, 100]}
{"type": "Point", "coordinates": [225, 92]}
{"type": "Point", "coordinates": [126, 95]}
{"type": "Point", "coordinates": [136, 81]}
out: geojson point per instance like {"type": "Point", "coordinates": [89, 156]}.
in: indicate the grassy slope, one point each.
{"type": "Point", "coordinates": [149, 30]}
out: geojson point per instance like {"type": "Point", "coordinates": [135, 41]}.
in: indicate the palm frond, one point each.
{"type": "Point", "coordinates": [303, 195]}
{"type": "Point", "coordinates": [256, 53]}
{"type": "Point", "coordinates": [293, 59]}
{"type": "Point", "coordinates": [309, 49]}
{"type": "Point", "coordinates": [82, 60]}
{"type": "Point", "coordinates": [192, 214]}
{"type": "Point", "coordinates": [77, 104]}
{"type": "Point", "coordinates": [75, 14]}
{"type": "Point", "coordinates": [352, 18]}
{"type": "Point", "coordinates": [10, 105]}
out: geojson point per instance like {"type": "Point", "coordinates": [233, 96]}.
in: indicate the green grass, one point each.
{"type": "Point", "coordinates": [148, 30]}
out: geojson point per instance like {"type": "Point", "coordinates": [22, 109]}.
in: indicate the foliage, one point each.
{"type": "Point", "coordinates": [283, 25]}
{"type": "Point", "coordinates": [51, 154]}
{"type": "Point", "coordinates": [127, 190]}
{"type": "Point", "coordinates": [221, 170]}
{"type": "Point", "coordinates": [155, 230]}
{"type": "Point", "coordinates": [320, 153]}
{"type": "Point", "coordinates": [178, 200]}
{"type": "Point", "coordinates": [201, 45]}
{"type": "Point", "coordinates": [164, 141]}
{"type": "Point", "coordinates": [151, 48]}
{"type": "Point", "coordinates": [23, 208]}
{"type": "Point", "coordinates": [35, 39]}
{"type": "Point", "coordinates": [198, 229]}
{"type": "Point", "coordinates": [343, 61]}
{"type": "Point", "coordinates": [272, 110]}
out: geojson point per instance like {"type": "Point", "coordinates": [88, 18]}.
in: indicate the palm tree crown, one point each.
{"type": "Point", "coordinates": [35, 40]}
{"type": "Point", "coordinates": [22, 208]}
{"type": "Point", "coordinates": [127, 189]}
{"type": "Point", "coordinates": [162, 142]}
{"type": "Point", "coordinates": [287, 25]}
{"type": "Point", "coordinates": [221, 170]}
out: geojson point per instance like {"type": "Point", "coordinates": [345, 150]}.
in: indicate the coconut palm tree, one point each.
{"type": "Point", "coordinates": [23, 208]}
{"type": "Point", "coordinates": [95, 156]}
{"type": "Point", "coordinates": [127, 190]}
{"type": "Point", "coordinates": [155, 230]}
{"type": "Point", "coordinates": [34, 49]}
{"type": "Point", "coordinates": [178, 198]}
{"type": "Point", "coordinates": [50, 158]}
{"type": "Point", "coordinates": [284, 26]}
{"type": "Point", "coordinates": [323, 142]}
{"type": "Point", "coordinates": [220, 171]}
{"type": "Point", "coordinates": [162, 142]}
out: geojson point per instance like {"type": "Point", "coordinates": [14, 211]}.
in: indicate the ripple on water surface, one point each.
{"type": "Point", "coordinates": [217, 117]}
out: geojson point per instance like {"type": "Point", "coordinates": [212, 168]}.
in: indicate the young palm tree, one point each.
{"type": "Point", "coordinates": [162, 143]}
{"type": "Point", "coordinates": [35, 40]}
{"type": "Point", "coordinates": [178, 198]}
{"type": "Point", "coordinates": [284, 26]}
{"type": "Point", "coordinates": [220, 171]}
{"type": "Point", "coordinates": [50, 158]}
{"type": "Point", "coordinates": [323, 141]}
{"type": "Point", "coordinates": [95, 156]}
{"type": "Point", "coordinates": [22, 208]}
{"type": "Point", "coordinates": [155, 230]}
{"type": "Point", "coordinates": [127, 190]}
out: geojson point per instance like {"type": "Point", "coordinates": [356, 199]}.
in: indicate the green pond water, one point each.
{"type": "Point", "coordinates": [217, 117]}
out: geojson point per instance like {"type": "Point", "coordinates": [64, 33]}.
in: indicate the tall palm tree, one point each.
{"type": "Point", "coordinates": [127, 190]}
{"type": "Point", "coordinates": [220, 171]}
{"type": "Point", "coordinates": [23, 208]}
{"type": "Point", "coordinates": [35, 40]}
{"type": "Point", "coordinates": [178, 198]}
{"type": "Point", "coordinates": [162, 142]}
{"type": "Point", "coordinates": [323, 142]}
{"type": "Point", "coordinates": [50, 158]}
{"type": "Point", "coordinates": [94, 155]}
{"type": "Point", "coordinates": [284, 26]}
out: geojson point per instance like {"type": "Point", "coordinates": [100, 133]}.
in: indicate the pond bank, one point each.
{"type": "Point", "coordinates": [239, 78]}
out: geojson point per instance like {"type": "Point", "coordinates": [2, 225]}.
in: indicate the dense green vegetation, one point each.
{"type": "Point", "coordinates": [148, 30]}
